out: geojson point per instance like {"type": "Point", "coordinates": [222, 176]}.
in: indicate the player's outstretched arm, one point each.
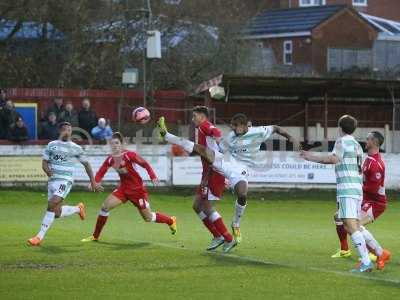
{"type": "Point", "coordinates": [88, 168]}
{"type": "Point", "coordinates": [282, 132]}
{"type": "Point", "coordinates": [46, 168]}
{"type": "Point", "coordinates": [330, 159]}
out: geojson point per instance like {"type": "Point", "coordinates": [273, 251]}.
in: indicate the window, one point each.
{"type": "Point", "coordinates": [288, 52]}
{"type": "Point", "coordinates": [360, 2]}
{"type": "Point", "coordinates": [312, 2]}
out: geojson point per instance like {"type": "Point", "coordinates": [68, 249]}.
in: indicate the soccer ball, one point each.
{"type": "Point", "coordinates": [217, 92]}
{"type": "Point", "coordinates": [141, 115]}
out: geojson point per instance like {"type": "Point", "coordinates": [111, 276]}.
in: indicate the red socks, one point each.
{"type": "Point", "coordinates": [220, 226]}
{"type": "Point", "coordinates": [101, 221]}
{"type": "Point", "coordinates": [211, 228]}
{"type": "Point", "coordinates": [342, 234]}
{"type": "Point", "coordinates": [161, 218]}
{"type": "Point", "coordinates": [216, 219]}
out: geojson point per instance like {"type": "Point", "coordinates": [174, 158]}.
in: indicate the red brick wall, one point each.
{"type": "Point", "coordinates": [336, 33]}
{"type": "Point", "coordinates": [301, 49]}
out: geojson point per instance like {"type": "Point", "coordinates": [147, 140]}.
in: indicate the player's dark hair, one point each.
{"type": "Point", "coordinates": [378, 138]}
{"type": "Point", "coordinates": [240, 119]}
{"type": "Point", "coordinates": [62, 124]}
{"type": "Point", "coordinates": [348, 124]}
{"type": "Point", "coordinates": [202, 110]}
{"type": "Point", "coordinates": [118, 135]}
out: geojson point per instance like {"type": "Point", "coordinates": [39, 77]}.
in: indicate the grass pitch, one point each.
{"type": "Point", "coordinates": [285, 254]}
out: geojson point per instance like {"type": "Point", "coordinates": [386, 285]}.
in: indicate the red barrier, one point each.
{"type": "Point", "coordinates": [104, 102]}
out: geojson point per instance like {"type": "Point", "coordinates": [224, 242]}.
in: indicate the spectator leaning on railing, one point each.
{"type": "Point", "coordinates": [49, 128]}
{"type": "Point", "coordinates": [57, 107]}
{"type": "Point", "coordinates": [18, 132]}
{"type": "Point", "coordinates": [69, 115]}
{"type": "Point", "coordinates": [8, 115]}
{"type": "Point", "coordinates": [102, 131]}
{"type": "Point", "coordinates": [87, 117]}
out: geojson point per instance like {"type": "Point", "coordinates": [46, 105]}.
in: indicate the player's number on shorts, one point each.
{"type": "Point", "coordinates": [62, 188]}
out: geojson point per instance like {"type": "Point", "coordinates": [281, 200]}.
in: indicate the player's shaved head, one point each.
{"type": "Point", "coordinates": [118, 136]}
{"type": "Point", "coordinates": [377, 137]}
{"type": "Point", "coordinates": [201, 110]}
{"type": "Point", "coordinates": [240, 119]}
{"type": "Point", "coordinates": [62, 124]}
{"type": "Point", "coordinates": [348, 124]}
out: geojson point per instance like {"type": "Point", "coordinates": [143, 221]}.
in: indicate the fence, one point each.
{"type": "Point", "coordinates": [274, 169]}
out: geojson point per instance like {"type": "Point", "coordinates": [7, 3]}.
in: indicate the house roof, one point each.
{"type": "Point", "coordinates": [292, 20]}
{"type": "Point", "coordinates": [385, 26]}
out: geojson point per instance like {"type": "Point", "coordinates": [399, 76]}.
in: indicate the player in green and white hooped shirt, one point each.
{"type": "Point", "coordinates": [58, 163]}
{"type": "Point", "coordinates": [242, 145]}
{"type": "Point", "coordinates": [347, 158]}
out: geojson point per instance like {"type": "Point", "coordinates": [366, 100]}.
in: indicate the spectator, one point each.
{"type": "Point", "coordinates": [50, 129]}
{"type": "Point", "coordinates": [8, 115]}
{"type": "Point", "coordinates": [70, 115]}
{"type": "Point", "coordinates": [87, 118]}
{"type": "Point", "coordinates": [57, 108]}
{"type": "Point", "coordinates": [18, 131]}
{"type": "Point", "coordinates": [102, 131]}
{"type": "Point", "coordinates": [3, 98]}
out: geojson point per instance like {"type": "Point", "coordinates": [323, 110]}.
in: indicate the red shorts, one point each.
{"type": "Point", "coordinates": [216, 187]}
{"type": "Point", "coordinates": [373, 209]}
{"type": "Point", "coordinates": [139, 198]}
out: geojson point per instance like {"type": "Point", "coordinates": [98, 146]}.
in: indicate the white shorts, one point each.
{"type": "Point", "coordinates": [212, 197]}
{"type": "Point", "coordinates": [60, 188]}
{"type": "Point", "coordinates": [232, 171]}
{"type": "Point", "coordinates": [349, 208]}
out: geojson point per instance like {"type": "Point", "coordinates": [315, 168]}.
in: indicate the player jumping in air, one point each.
{"type": "Point", "coordinates": [243, 146]}
{"type": "Point", "coordinates": [58, 163]}
{"type": "Point", "coordinates": [212, 183]}
{"type": "Point", "coordinates": [347, 158]}
{"type": "Point", "coordinates": [131, 187]}
{"type": "Point", "coordinates": [374, 201]}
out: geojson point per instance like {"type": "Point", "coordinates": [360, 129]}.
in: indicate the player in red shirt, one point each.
{"type": "Point", "coordinates": [212, 183]}
{"type": "Point", "coordinates": [130, 188]}
{"type": "Point", "coordinates": [374, 201]}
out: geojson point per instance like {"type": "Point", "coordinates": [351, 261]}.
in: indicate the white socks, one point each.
{"type": "Point", "coordinates": [239, 210]}
{"type": "Point", "coordinates": [48, 219]}
{"type": "Point", "coordinates": [67, 210]}
{"type": "Point", "coordinates": [214, 216]}
{"type": "Point", "coordinates": [359, 243]}
{"type": "Point", "coordinates": [371, 242]}
{"type": "Point", "coordinates": [202, 215]}
{"type": "Point", "coordinates": [153, 217]}
{"type": "Point", "coordinates": [185, 144]}
{"type": "Point", "coordinates": [104, 213]}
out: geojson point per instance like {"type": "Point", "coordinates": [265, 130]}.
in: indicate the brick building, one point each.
{"type": "Point", "coordinates": [319, 39]}
{"type": "Point", "coordinates": [389, 9]}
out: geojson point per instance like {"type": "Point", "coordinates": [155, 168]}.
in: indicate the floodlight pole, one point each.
{"type": "Point", "coordinates": [149, 15]}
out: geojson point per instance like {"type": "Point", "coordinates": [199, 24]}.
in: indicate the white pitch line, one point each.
{"type": "Point", "coordinates": [270, 263]}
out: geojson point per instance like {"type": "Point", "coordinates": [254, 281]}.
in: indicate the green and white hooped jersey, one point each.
{"type": "Point", "coordinates": [348, 169]}
{"type": "Point", "coordinates": [62, 157]}
{"type": "Point", "coordinates": [245, 149]}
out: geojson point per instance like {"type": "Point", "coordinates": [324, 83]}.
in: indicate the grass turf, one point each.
{"type": "Point", "coordinates": [287, 241]}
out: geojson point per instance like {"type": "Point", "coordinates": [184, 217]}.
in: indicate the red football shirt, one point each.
{"type": "Point", "coordinates": [374, 179]}
{"type": "Point", "coordinates": [125, 167]}
{"type": "Point", "coordinates": [206, 137]}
